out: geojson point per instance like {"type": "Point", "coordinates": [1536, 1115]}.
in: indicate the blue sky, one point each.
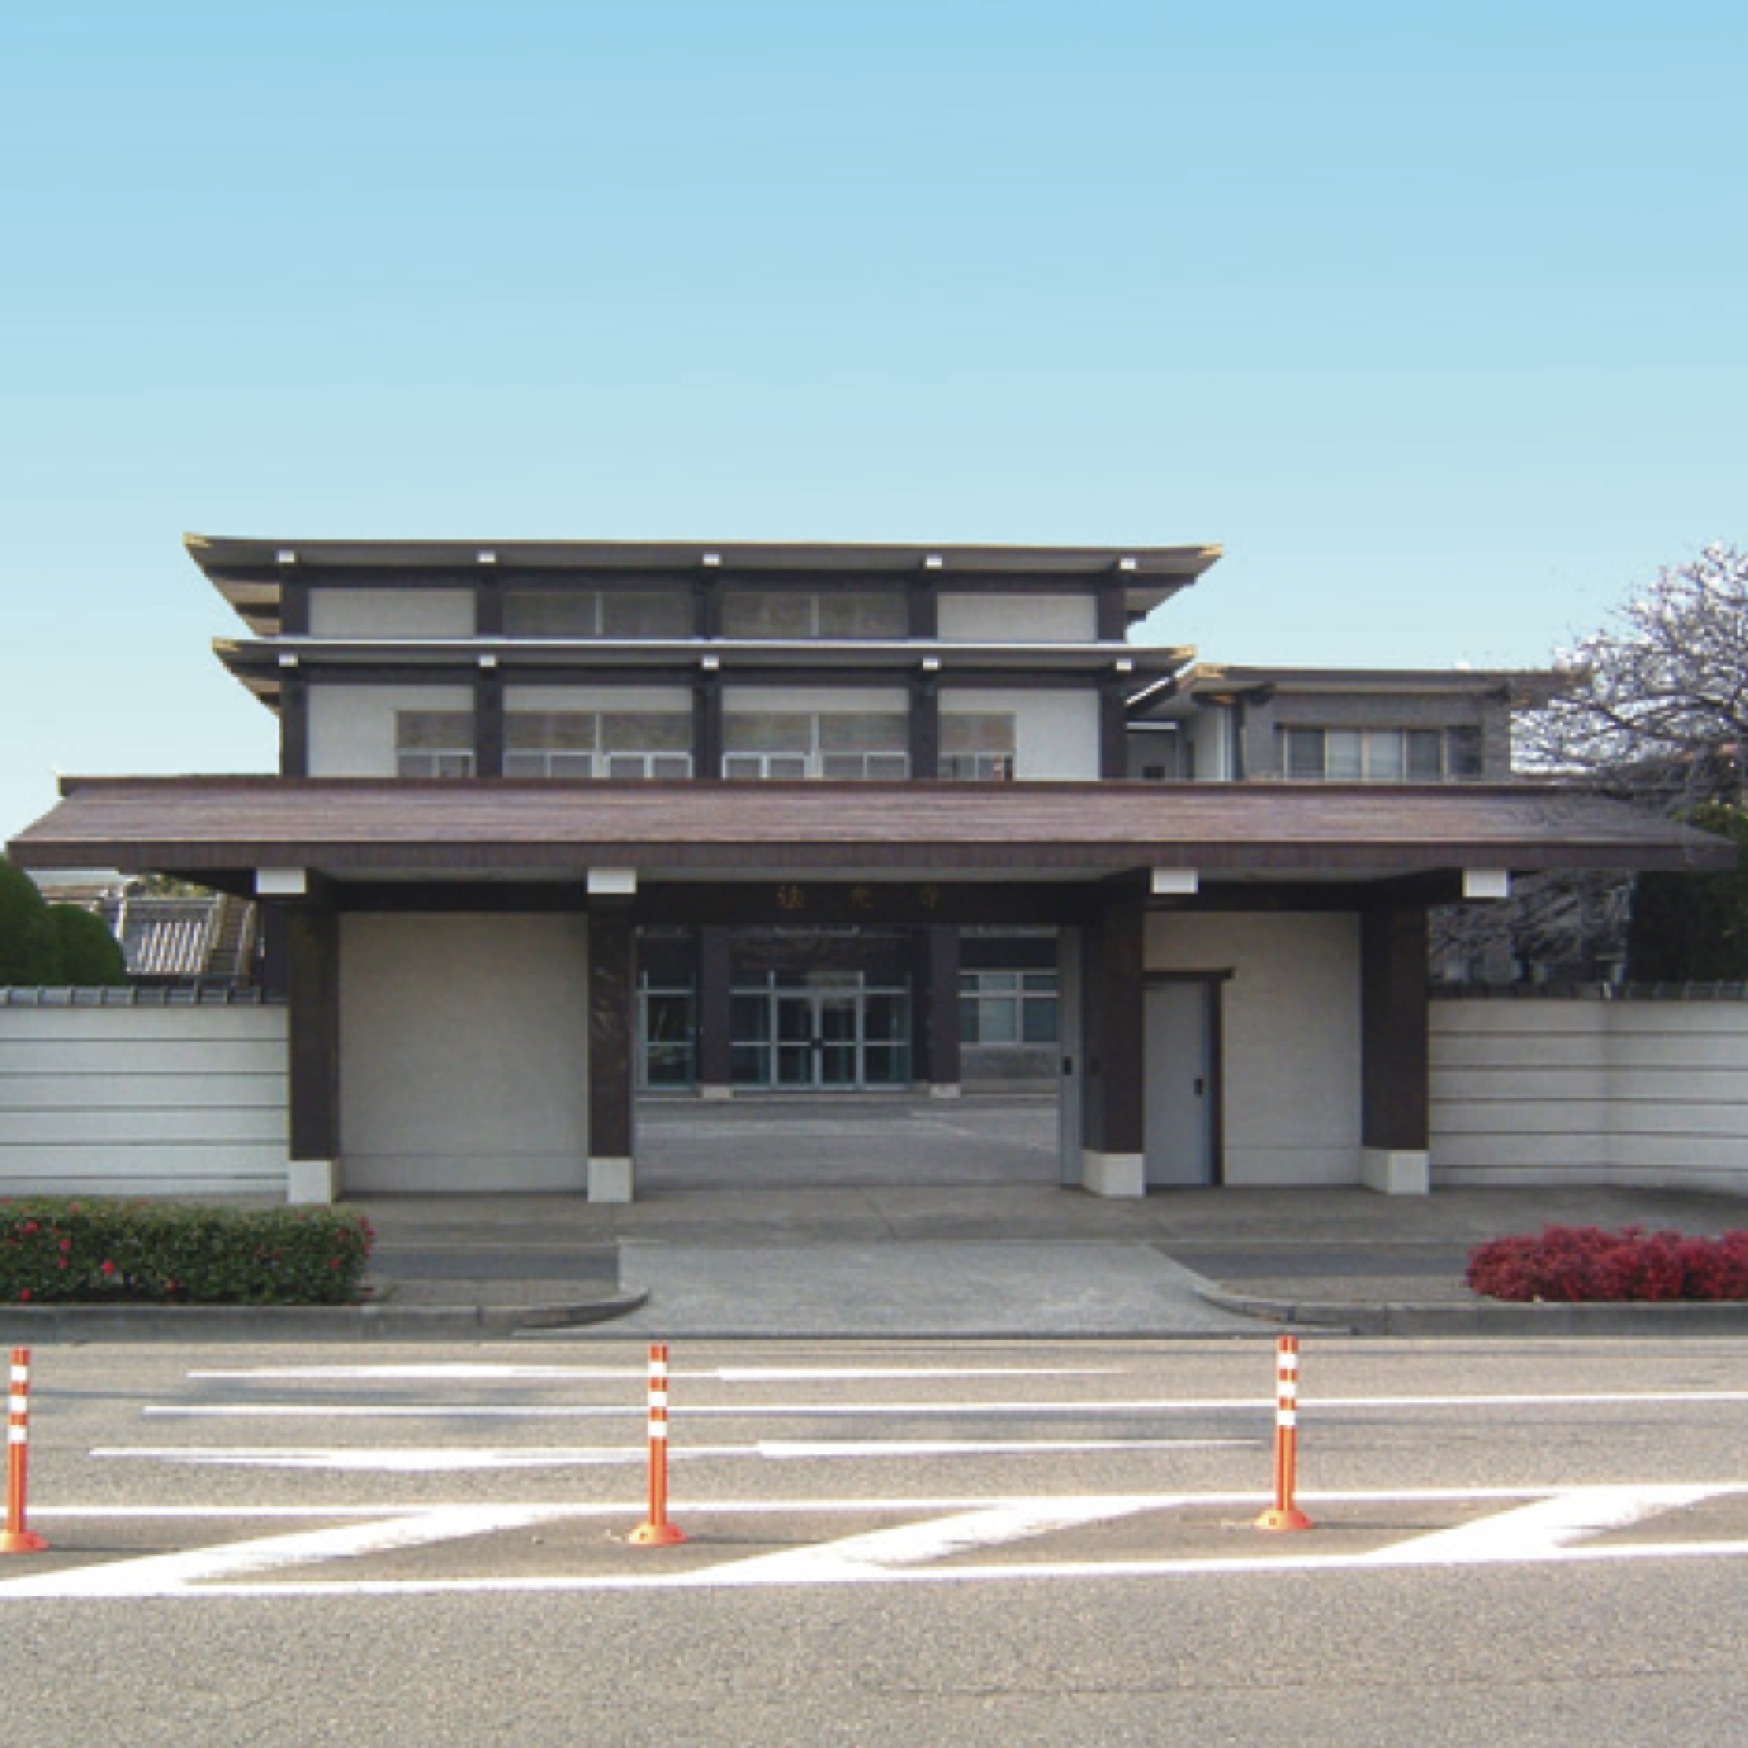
{"type": "Point", "coordinates": [1433, 318]}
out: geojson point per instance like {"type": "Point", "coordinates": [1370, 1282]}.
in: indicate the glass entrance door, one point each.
{"type": "Point", "coordinates": [828, 1038]}
{"type": "Point", "coordinates": [819, 1038]}
{"type": "Point", "coordinates": [838, 1027]}
{"type": "Point", "coordinates": [796, 1029]}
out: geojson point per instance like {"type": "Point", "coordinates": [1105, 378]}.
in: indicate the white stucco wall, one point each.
{"type": "Point", "coordinates": [1056, 734]}
{"type": "Point", "coordinates": [1017, 618]}
{"type": "Point", "coordinates": [1290, 1015]}
{"type": "Point", "coordinates": [391, 612]}
{"type": "Point", "coordinates": [463, 1053]}
{"type": "Point", "coordinates": [352, 728]}
{"type": "Point", "coordinates": [1538, 1092]}
{"type": "Point", "coordinates": [142, 1101]}
{"type": "Point", "coordinates": [1211, 736]}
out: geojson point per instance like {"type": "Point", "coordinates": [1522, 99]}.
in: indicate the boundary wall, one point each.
{"type": "Point", "coordinates": [102, 1093]}
{"type": "Point", "coordinates": [1577, 1089]}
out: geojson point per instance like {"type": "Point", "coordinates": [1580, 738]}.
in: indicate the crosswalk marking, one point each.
{"type": "Point", "coordinates": [1544, 1528]}
{"type": "Point", "coordinates": [1538, 1526]}
{"type": "Point", "coordinates": [883, 1551]}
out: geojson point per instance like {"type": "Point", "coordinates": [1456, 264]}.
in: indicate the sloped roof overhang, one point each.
{"type": "Point", "coordinates": [251, 573]}
{"type": "Point", "coordinates": [366, 828]}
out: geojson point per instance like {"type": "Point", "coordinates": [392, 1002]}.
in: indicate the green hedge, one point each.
{"type": "Point", "coordinates": [56, 1251]}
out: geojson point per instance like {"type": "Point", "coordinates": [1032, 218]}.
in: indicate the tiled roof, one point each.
{"type": "Point", "coordinates": [984, 831]}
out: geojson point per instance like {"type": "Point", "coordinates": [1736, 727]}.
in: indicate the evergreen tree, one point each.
{"type": "Point", "coordinates": [1693, 928]}
{"type": "Point", "coordinates": [30, 950]}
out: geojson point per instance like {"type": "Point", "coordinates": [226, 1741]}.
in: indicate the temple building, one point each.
{"type": "Point", "coordinates": [557, 823]}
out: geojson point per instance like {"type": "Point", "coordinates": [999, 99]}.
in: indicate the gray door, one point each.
{"type": "Point", "coordinates": [1071, 1068]}
{"type": "Point", "coordinates": [1181, 1093]}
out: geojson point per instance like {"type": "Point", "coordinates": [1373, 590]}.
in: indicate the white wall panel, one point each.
{"type": "Point", "coordinates": [1595, 1092]}
{"type": "Point", "coordinates": [463, 1053]}
{"type": "Point", "coordinates": [352, 728]}
{"type": "Point", "coordinates": [1056, 733]}
{"type": "Point", "coordinates": [1291, 1031]}
{"type": "Point", "coordinates": [142, 1101]}
{"type": "Point", "coordinates": [1017, 618]}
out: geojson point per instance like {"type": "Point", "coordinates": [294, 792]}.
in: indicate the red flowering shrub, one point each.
{"type": "Point", "coordinates": [1568, 1264]}
{"type": "Point", "coordinates": [87, 1252]}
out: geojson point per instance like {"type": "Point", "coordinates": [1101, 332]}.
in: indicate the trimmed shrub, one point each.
{"type": "Point", "coordinates": [56, 1251]}
{"type": "Point", "coordinates": [30, 951]}
{"type": "Point", "coordinates": [91, 957]}
{"type": "Point", "coordinates": [1578, 1264]}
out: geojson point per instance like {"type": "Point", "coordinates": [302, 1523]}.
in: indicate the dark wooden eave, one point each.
{"type": "Point", "coordinates": [251, 573]}
{"type": "Point", "coordinates": [379, 828]}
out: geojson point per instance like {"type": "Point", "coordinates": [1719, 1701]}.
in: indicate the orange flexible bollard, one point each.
{"type": "Point", "coordinates": [1284, 1514]}
{"type": "Point", "coordinates": [655, 1531]}
{"type": "Point", "coordinates": [17, 1539]}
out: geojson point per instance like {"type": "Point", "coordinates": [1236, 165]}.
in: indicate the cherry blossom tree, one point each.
{"type": "Point", "coordinates": [1656, 704]}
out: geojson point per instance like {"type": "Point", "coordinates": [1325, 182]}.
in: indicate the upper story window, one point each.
{"type": "Point", "coordinates": [1381, 755]}
{"type": "Point", "coordinates": [842, 746]}
{"type": "Point", "coordinates": [978, 747]}
{"type": "Point", "coordinates": [620, 744]}
{"type": "Point", "coordinates": [603, 613]}
{"type": "Point", "coordinates": [787, 613]}
{"type": "Point", "coordinates": [434, 743]}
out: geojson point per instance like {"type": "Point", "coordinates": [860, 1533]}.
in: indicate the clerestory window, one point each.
{"type": "Point", "coordinates": [1381, 755]}
{"type": "Point", "coordinates": [792, 613]}
{"type": "Point", "coordinates": [840, 746]}
{"type": "Point", "coordinates": [434, 743]}
{"type": "Point", "coordinates": [628, 614]}
{"type": "Point", "coordinates": [978, 747]}
{"type": "Point", "coordinates": [629, 745]}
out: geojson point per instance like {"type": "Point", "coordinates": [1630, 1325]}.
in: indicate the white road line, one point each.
{"type": "Point", "coordinates": [444, 1459]}
{"type": "Point", "coordinates": [1541, 1530]}
{"type": "Point", "coordinates": [471, 1372]}
{"type": "Point", "coordinates": [699, 1410]}
{"type": "Point", "coordinates": [793, 1449]}
{"type": "Point", "coordinates": [1258, 1566]}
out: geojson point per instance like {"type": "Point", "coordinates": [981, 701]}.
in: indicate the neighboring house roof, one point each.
{"type": "Point", "coordinates": [365, 828]}
{"type": "Point", "coordinates": [165, 937]}
{"type": "Point", "coordinates": [1216, 681]}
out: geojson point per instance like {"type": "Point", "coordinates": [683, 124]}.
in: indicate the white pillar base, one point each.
{"type": "Point", "coordinates": [1113, 1174]}
{"type": "Point", "coordinates": [945, 1089]}
{"type": "Point", "coordinates": [714, 1094]}
{"type": "Point", "coordinates": [609, 1180]}
{"type": "Point", "coordinates": [1396, 1171]}
{"type": "Point", "coordinates": [311, 1181]}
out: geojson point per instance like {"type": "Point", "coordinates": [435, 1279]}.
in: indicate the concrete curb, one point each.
{"type": "Point", "coordinates": [49, 1325]}
{"type": "Point", "coordinates": [1489, 1317]}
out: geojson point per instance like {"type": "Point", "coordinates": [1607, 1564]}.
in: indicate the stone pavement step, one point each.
{"type": "Point", "coordinates": [825, 1291]}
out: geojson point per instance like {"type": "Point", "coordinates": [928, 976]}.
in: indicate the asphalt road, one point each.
{"type": "Point", "coordinates": [969, 1543]}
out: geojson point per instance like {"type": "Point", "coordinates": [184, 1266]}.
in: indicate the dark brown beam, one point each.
{"type": "Point", "coordinates": [612, 1030]}
{"type": "Point", "coordinates": [313, 1030]}
{"type": "Point", "coordinates": [294, 726]}
{"type": "Point", "coordinates": [1394, 1026]}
